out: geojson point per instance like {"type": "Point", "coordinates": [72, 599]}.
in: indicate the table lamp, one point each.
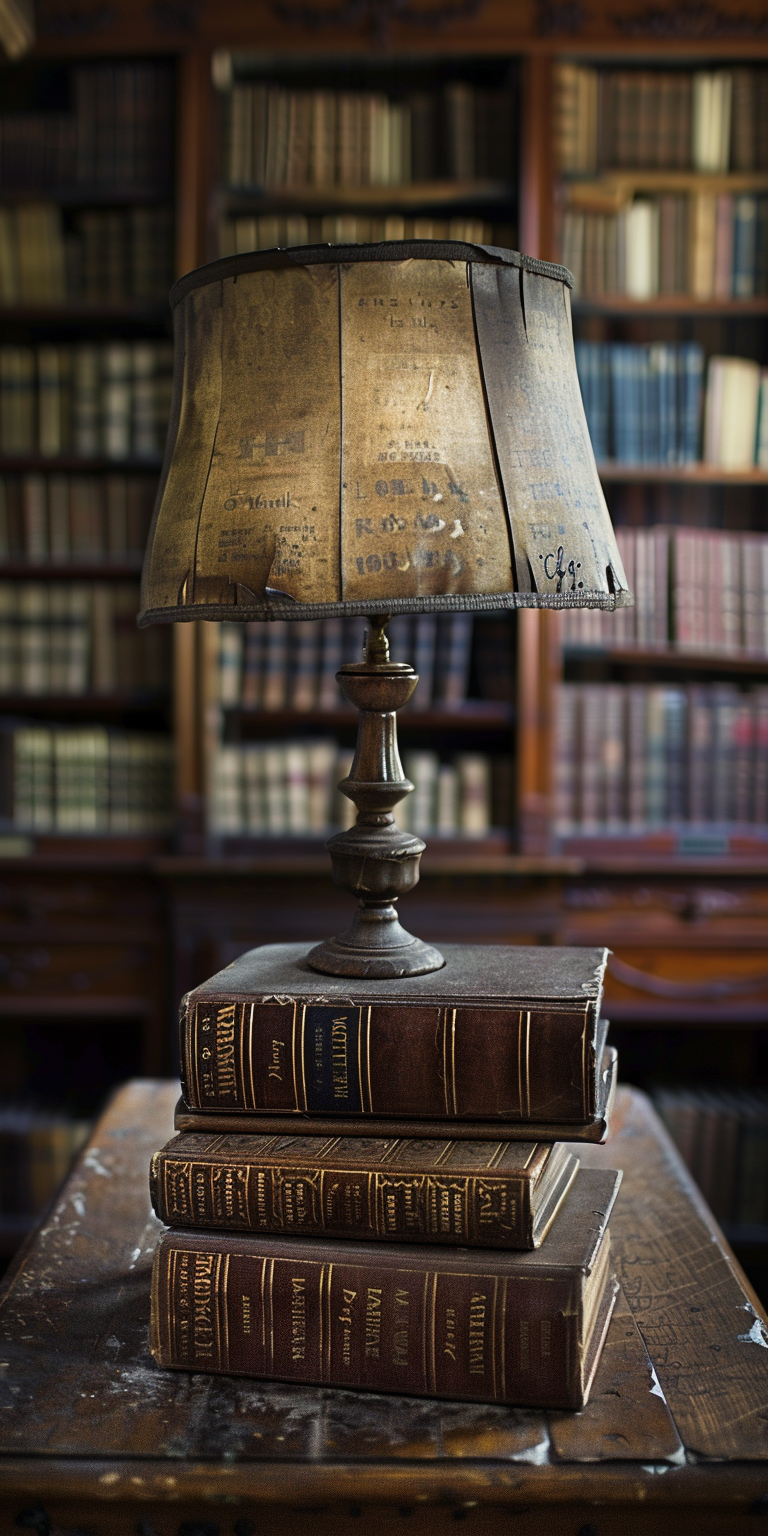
{"type": "Point", "coordinates": [376, 430]}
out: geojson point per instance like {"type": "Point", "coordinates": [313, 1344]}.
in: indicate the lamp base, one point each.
{"type": "Point", "coordinates": [375, 945]}
{"type": "Point", "coordinates": [374, 860]}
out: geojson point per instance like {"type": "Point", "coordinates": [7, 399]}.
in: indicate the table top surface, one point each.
{"type": "Point", "coordinates": [681, 1390]}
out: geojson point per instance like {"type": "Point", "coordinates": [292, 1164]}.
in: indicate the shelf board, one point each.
{"type": "Point", "coordinates": [671, 851]}
{"type": "Point", "coordinates": [285, 863]}
{"type": "Point", "coordinates": [77, 314]}
{"type": "Point", "coordinates": [667, 659]}
{"type": "Point", "coordinates": [612, 471]}
{"type": "Point", "coordinates": [98, 569]}
{"type": "Point", "coordinates": [85, 195]}
{"type": "Point", "coordinates": [74, 463]}
{"type": "Point", "coordinates": [669, 304]}
{"type": "Point", "coordinates": [416, 194]}
{"type": "Point", "coordinates": [121, 702]}
{"type": "Point", "coordinates": [606, 191]}
{"type": "Point", "coordinates": [476, 715]}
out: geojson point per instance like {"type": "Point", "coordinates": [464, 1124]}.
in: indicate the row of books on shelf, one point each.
{"type": "Point", "coordinates": [61, 519]}
{"type": "Point", "coordinates": [117, 134]}
{"type": "Point", "coordinates": [646, 404]}
{"type": "Point", "coordinates": [290, 789]}
{"type": "Point", "coordinates": [697, 591]}
{"type": "Point", "coordinates": [722, 1137]}
{"type": "Point", "coordinates": [85, 779]}
{"type": "Point", "coordinates": [298, 139]}
{"type": "Point", "coordinates": [706, 245]}
{"type": "Point", "coordinates": [639, 756]}
{"type": "Point", "coordinates": [663, 119]}
{"type": "Point", "coordinates": [112, 256]}
{"type": "Point", "coordinates": [111, 399]}
{"type": "Point", "coordinates": [281, 665]}
{"type": "Point", "coordinates": [270, 230]}
{"type": "Point", "coordinates": [77, 637]}
{"type": "Point", "coordinates": [37, 1147]}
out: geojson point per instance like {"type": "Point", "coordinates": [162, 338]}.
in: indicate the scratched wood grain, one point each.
{"type": "Point", "coordinates": [701, 1324]}
{"type": "Point", "coordinates": [627, 1415]}
{"type": "Point", "coordinates": [80, 1297]}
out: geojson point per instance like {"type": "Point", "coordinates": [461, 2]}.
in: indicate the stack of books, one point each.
{"type": "Point", "coordinates": [84, 779]}
{"type": "Point", "coordinates": [77, 637]}
{"type": "Point", "coordinates": [370, 1187]}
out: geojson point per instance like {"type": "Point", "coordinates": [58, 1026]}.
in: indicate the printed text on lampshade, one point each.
{"type": "Point", "coordinates": [377, 429]}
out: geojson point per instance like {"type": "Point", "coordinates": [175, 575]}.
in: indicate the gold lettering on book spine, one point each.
{"type": "Point", "coordinates": [432, 1381]}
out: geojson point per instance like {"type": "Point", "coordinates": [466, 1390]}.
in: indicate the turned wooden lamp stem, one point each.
{"type": "Point", "coordinates": [374, 860]}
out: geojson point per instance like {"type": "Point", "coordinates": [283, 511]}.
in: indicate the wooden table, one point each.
{"type": "Point", "coordinates": [94, 1439]}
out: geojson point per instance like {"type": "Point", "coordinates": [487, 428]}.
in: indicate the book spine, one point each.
{"type": "Point", "coordinates": [425, 1061]}
{"type": "Point", "coordinates": [342, 1316]}
{"type": "Point", "coordinates": [304, 1197]}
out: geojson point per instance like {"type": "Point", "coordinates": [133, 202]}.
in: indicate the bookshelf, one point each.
{"type": "Point", "coordinates": [86, 257]}
{"type": "Point", "coordinates": [668, 904]}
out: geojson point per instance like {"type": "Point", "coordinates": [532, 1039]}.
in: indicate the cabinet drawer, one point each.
{"type": "Point", "coordinates": [670, 983]}
{"type": "Point", "coordinates": [71, 969]}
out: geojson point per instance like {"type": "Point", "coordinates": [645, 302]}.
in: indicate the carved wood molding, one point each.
{"type": "Point", "coordinates": [376, 16]}
{"type": "Point", "coordinates": [695, 21]}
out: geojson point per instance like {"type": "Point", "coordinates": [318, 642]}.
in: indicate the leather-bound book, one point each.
{"type": "Point", "coordinates": [503, 1037]}
{"type": "Point", "coordinates": [485, 1194]}
{"type": "Point", "coordinates": [480, 1324]}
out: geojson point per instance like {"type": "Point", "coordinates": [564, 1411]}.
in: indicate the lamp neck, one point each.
{"type": "Point", "coordinates": [376, 642]}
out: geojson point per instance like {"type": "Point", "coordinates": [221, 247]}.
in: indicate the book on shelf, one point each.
{"type": "Point", "coordinates": [523, 1328]}
{"type": "Point", "coordinates": [290, 788]}
{"type": "Point", "coordinates": [705, 245]}
{"type": "Point", "coordinates": [722, 1137]}
{"type": "Point", "coordinates": [646, 404]}
{"type": "Point", "coordinates": [278, 138]}
{"type": "Point", "coordinates": [117, 134]}
{"type": "Point", "coordinates": [710, 121]}
{"type": "Point", "coordinates": [84, 779]}
{"type": "Point", "coordinates": [459, 1193]}
{"type": "Point", "coordinates": [503, 1035]}
{"type": "Point", "coordinates": [266, 231]}
{"type": "Point", "coordinates": [63, 519]}
{"type": "Point", "coordinates": [72, 638]}
{"type": "Point", "coordinates": [701, 591]}
{"type": "Point", "coordinates": [634, 757]}
{"type": "Point", "coordinates": [274, 666]}
{"type": "Point", "coordinates": [116, 257]}
{"type": "Point", "coordinates": [37, 1148]}
{"type": "Point", "coordinates": [108, 399]}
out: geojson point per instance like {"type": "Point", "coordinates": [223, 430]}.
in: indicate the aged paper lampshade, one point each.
{"type": "Point", "coordinates": [376, 429]}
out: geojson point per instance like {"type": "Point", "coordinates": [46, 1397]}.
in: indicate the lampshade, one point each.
{"type": "Point", "coordinates": [377, 429]}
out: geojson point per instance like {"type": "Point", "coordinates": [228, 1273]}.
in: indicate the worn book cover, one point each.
{"type": "Point", "coordinates": [479, 1324]}
{"type": "Point", "coordinates": [485, 1194]}
{"type": "Point", "coordinates": [250, 1123]}
{"type": "Point", "coordinates": [501, 1033]}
